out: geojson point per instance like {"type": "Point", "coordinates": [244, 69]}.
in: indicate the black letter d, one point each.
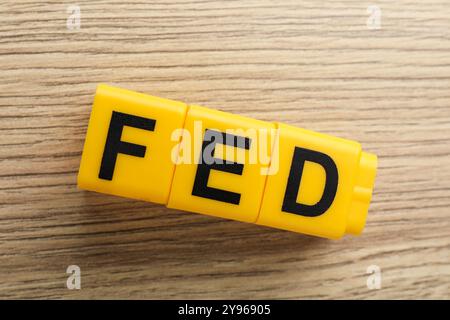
{"type": "Point", "coordinates": [290, 197]}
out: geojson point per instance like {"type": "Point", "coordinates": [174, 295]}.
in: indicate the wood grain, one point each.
{"type": "Point", "coordinates": [313, 64]}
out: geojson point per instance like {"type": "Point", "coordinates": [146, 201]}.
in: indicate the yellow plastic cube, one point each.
{"type": "Point", "coordinates": [234, 188]}
{"type": "Point", "coordinates": [323, 185]}
{"type": "Point", "coordinates": [128, 144]}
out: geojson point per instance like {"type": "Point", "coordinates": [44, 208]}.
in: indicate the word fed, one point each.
{"type": "Point", "coordinates": [207, 161]}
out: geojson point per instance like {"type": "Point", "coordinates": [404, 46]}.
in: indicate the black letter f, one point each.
{"type": "Point", "coordinates": [114, 145]}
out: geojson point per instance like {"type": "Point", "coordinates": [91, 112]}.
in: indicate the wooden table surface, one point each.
{"type": "Point", "coordinates": [321, 65]}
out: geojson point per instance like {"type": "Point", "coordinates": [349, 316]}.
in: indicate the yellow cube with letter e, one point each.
{"type": "Point", "coordinates": [229, 177]}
